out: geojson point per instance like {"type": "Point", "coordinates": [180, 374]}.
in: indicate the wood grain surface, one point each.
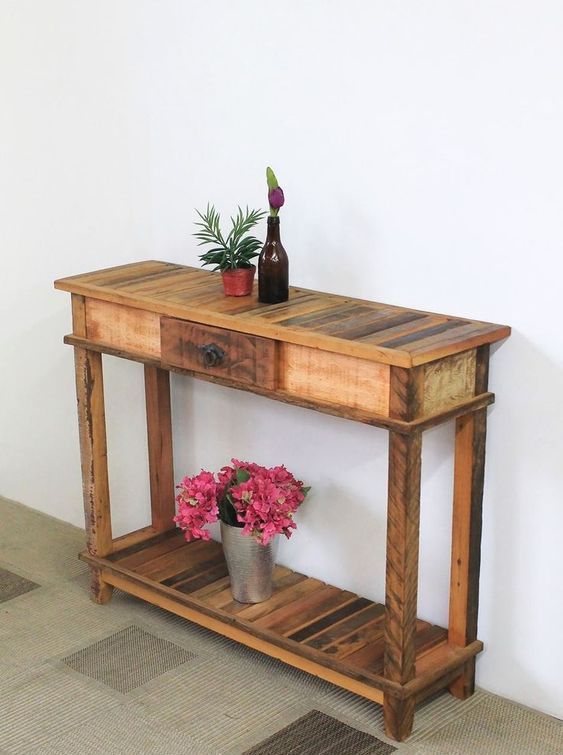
{"type": "Point", "coordinates": [378, 332]}
{"type": "Point", "coordinates": [242, 358]}
{"type": "Point", "coordinates": [334, 378]}
{"type": "Point", "coordinates": [93, 452]}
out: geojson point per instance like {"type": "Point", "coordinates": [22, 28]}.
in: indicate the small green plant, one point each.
{"type": "Point", "coordinates": [238, 249]}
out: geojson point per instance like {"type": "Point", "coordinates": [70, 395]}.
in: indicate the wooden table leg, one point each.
{"type": "Point", "coordinates": [466, 540]}
{"type": "Point", "coordinates": [401, 579]}
{"type": "Point", "coordinates": [159, 432]}
{"type": "Point", "coordinates": [469, 472]}
{"type": "Point", "coordinates": [93, 452]}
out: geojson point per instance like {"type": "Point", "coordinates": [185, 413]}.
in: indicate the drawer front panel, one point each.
{"type": "Point", "coordinates": [216, 351]}
{"type": "Point", "coordinates": [334, 378]}
{"type": "Point", "coordinates": [124, 328]}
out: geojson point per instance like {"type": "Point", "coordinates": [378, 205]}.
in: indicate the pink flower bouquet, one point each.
{"type": "Point", "coordinates": [262, 501]}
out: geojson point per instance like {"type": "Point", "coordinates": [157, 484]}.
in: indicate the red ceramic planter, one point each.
{"type": "Point", "coordinates": [238, 282]}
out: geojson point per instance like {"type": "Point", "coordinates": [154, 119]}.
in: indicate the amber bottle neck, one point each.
{"type": "Point", "coordinates": [273, 229]}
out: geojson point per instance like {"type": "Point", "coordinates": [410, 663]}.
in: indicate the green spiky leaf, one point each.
{"type": "Point", "coordinates": [238, 248]}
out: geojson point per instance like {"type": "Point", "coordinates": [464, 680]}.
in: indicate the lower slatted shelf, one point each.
{"type": "Point", "coordinates": [333, 633]}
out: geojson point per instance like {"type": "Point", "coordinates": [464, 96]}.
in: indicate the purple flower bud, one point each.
{"type": "Point", "coordinates": [276, 198]}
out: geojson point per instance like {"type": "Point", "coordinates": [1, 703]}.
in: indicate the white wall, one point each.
{"type": "Point", "coordinates": [419, 145]}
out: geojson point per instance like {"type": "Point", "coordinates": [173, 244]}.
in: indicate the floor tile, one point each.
{"type": "Point", "coordinates": [12, 585]}
{"type": "Point", "coordinates": [319, 734]}
{"type": "Point", "coordinates": [128, 659]}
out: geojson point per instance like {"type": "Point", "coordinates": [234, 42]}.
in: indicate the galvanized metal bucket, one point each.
{"type": "Point", "coordinates": [250, 564]}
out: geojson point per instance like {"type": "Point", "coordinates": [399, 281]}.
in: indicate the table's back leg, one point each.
{"type": "Point", "coordinates": [401, 579]}
{"type": "Point", "coordinates": [466, 540]}
{"type": "Point", "coordinates": [93, 452]}
{"type": "Point", "coordinates": [159, 433]}
{"type": "Point", "coordinates": [466, 528]}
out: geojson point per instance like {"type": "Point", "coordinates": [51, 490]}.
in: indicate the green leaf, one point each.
{"type": "Point", "coordinates": [271, 179]}
{"type": "Point", "coordinates": [227, 512]}
{"type": "Point", "coordinates": [305, 490]}
{"type": "Point", "coordinates": [243, 475]}
{"type": "Point", "coordinates": [238, 248]}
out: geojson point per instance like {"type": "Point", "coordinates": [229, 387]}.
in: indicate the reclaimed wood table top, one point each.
{"type": "Point", "coordinates": [371, 330]}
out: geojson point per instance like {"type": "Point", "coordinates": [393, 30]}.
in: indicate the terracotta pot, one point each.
{"type": "Point", "coordinates": [238, 282]}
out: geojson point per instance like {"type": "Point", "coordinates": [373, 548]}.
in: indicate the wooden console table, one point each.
{"type": "Point", "coordinates": [395, 368]}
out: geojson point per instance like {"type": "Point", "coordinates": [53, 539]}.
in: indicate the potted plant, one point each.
{"type": "Point", "coordinates": [232, 255]}
{"type": "Point", "coordinates": [254, 504]}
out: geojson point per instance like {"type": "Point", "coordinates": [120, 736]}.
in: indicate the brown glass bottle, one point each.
{"type": "Point", "coordinates": [273, 267]}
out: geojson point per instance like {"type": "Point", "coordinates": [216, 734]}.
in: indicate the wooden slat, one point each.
{"type": "Point", "coordinates": [411, 326]}
{"type": "Point", "coordinates": [303, 304]}
{"type": "Point", "coordinates": [342, 629]}
{"type": "Point", "coordinates": [134, 539]}
{"type": "Point", "coordinates": [204, 579]}
{"type": "Point", "coordinates": [327, 621]}
{"type": "Point", "coordinates": [360, 320]}
{"type": "Point", "coordinates": [176, 561]}
{"type": "Point", "coordinates": [217, 586]}
{"type": "Point", "coordinates": [325, 315]}
{"type": "Point", "coordinates": [158, 546]}
{"type": "Point", "coordinates": [153, 282]}
{"type": "Point", "coordinates": [315, 613]}
{"type": "Point", "coordinates": [281, 598]}
{"type": "Point", "coordinates": [114, 275]}
{"type": "Point", "coordinates": [141, 540]}
{"type": "Point", "coordinates": [426, 335]}
{"type": "Point", "coordinates": [359, 328]}
{"type": "Point", "coordinates": [300, 612]}
{"type": "Point", "coordinates": [213, 558]}
{"type": "Point", "coordinates": [365, 635]}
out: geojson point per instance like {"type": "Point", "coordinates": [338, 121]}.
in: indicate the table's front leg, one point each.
{"type": "Point", "coordinates": [401, 579]}
{"type": "Point", "coordinates": [93, 452]}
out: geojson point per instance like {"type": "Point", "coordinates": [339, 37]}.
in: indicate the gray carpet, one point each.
{"type": "Point", "coordinates": [82, 679]}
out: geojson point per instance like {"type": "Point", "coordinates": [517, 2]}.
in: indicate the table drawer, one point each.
{"type": "Point", "coordinates": [217, 351]}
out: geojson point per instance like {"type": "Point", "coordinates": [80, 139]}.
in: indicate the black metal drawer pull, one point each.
{"type": "Point", "coordinates": [212, 355]}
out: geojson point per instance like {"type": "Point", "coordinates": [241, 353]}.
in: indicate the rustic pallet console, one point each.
{"type": "Point", "coordinates": [395, 368]}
